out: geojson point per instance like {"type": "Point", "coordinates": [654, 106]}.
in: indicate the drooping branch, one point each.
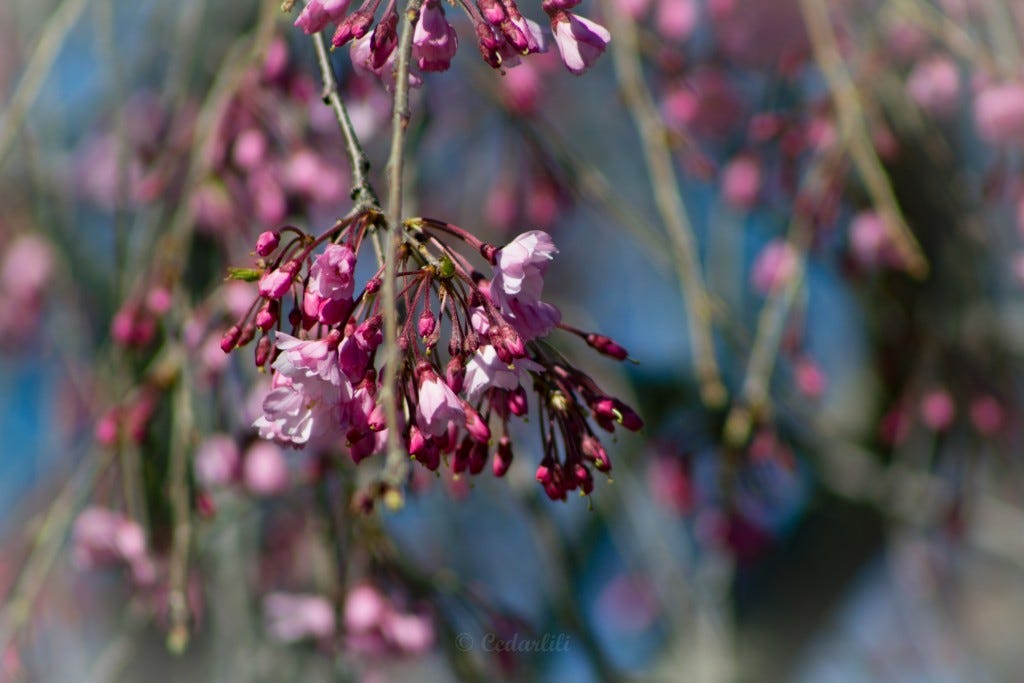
{"type": "Point", "coordinates": [665, 184]}
{"type": "Point", "coordinates": [396, 467]}
{"type": "Point", "coordinates": [853, 132]}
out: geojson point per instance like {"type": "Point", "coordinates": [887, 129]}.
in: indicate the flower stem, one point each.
{"type": "Point", "coordinates": [362, 192]}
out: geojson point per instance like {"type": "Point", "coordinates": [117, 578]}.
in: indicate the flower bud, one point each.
{"type": "Point", "coordinates": [606, 346]}
{"type": "Point", "coordinates": [263, 351]}
{"type": "Point", "coordinates": [502, 457]}
{"type": "Point", "coordinates": [267, 242]}
{"type": "Point", "coordinates": [230, 338]}
{"type": "Point", "coordinates": [426, 324]}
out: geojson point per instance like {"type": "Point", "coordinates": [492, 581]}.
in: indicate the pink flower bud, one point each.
{"type": "Point", "coordinates": [159, 300]}
{"type": "Point", "coordinates": [810, 380]}
{"type": "Point", "coordinates": [230, 339]}
{"type": "Point", "coordinates": [607, 346]}
{"type": "Point", "coordinates": [938, 409]}
{"type": "Point", "coordinates": [741, 182]}
{"type": "Point", "coordinates": [355, 25]}
{"type": "Point", "coordinates": [502, 457]}
{"type": "Point", "coordinates": [267, 316]}
{"type": "Point", "coordinates": [263, 351]}
{"type": "Point", "coordinates": [517, 403]}
{"type": "Point", "coordinates": [455, 374]}
{"type": "Point", "coordinates": [267, 242]}
{"type": "Point", "coordinates": [476, 426]}
{"type": "Point", "coordinates": [583, 478]}
{"type": "Point", "coordinates": [935, 85]}
{"type": "Point", "coordinates": [595, 452]}
{"type": "Point", "coordinates": [774, 266]}
{"type": "Point", "coordinates": [276, 283]}
{"type": "Point", "coordinates": [987, 415]}
{"type": "Point", "coordinates": [425, 325]}
{"type": "Point", "coordinates": [106, 429]}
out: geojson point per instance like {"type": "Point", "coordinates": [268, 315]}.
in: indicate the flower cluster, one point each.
{"type": "Point", "coordinates": [326, 383]}
{"type": "Point", "coordinates": [502, 33]}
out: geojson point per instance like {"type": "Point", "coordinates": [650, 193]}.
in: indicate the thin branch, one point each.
{"type": "Point", "coordinates": [48, 542]}
{"type": "Point", "coordinates": [181, 513]}
{"type": "Point", "coordinates": [854, 134]}
{"type": "Point", "coordinates": [670, 204]}
{"type": "Point", "coordinates": [47, 49]}
{"type": "Point", "coordinates": [397, 465]}
{"type": "Point", "coordinates": [771, 322]}
{"type": "Point", "coordinates": [362, 192]}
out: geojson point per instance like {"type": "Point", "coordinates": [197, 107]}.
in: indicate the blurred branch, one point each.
{"type": "Point", "coordinates": [667, 196]}
{"type": "Point", "coordinates": [855, 136]}
{"type": "Point", "coordinates": [39, 65]}
{"type": "Point", "coordinates": [46, 547]}
{"type": "Point", "coordinates": [397, 465]}
{"type": "Point", "coordinates": [171, 247]}
{"type": "Point", "coordinates": [181, 437]}
{"type": "Point", "coordinates": [948, 31]}
{"type": "Point", "coordinates": [772, 320]}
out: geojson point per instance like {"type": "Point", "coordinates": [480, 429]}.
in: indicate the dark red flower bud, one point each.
{"type": "Point", "coordinates": [230, 339]}
{"type": "Point", "coordinates": [606, 346]}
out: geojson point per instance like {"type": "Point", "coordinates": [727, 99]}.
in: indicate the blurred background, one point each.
{"type": "Point", "coordinates": [804, 220]}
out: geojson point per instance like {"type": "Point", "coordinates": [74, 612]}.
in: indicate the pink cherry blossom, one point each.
{"type": "Point", "coordinates": [276, 283]}
{"type": "Point", "coordinates": [519, 280]}
{"type": "Point", "coordinates": [411, 633]}
{"type": "Point", "coordinates": [434, 41]}
{"type": "Point", "coordinates": [265, 472]}
{"type": "Point", "coordinates": [774, 266]}
{"type": "Point", "coordinates": [311, 358]}
{"type": "Point", "coordinates": [935, 85]}
{"type": "Point", "coordinates": [486, 371]}
{"type": "Point", "coordinates": [102, 537]}
{"type": "Point", "coordinates": [676, 19]}
{"type": "Point", "coordinates": [331, 275]}
{"type": "Point", "coordinates": [216, 461]}
{"type": "Point", "coordinates": [438, 405]}
{"type": "Point", "coordinates": [580, 41]}
{"type": "Point", "coordinates": [318, 13]}
{"type": "Point", "coordinates": [364, 609]}
{"type": "Point", "coordinates": [999, 113]}
{"type": "Point", "coordinates": [27, 266]}
{"type": "Point", "coordinates": [297, 411]}
{"type": "Point", "coordinates": [291, 617]}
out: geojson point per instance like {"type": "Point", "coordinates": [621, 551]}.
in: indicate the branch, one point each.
{"type": "Point", "coordinates": [771, 322]}
{"type": "Point", "coordinates": [397, 466]}
{"type": "Point", "coordinates": [46, 549]}
{"type": "Point", "coordinates": [670, 204]}
{"type": "Point", "coordinates": [181, 513]}
{"type": "Point", "coordinates": [362, 192]}
{"type": "Point", "coordinates": [855, 136]}
{"type": "Point", "coordinates": [47, 49]}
